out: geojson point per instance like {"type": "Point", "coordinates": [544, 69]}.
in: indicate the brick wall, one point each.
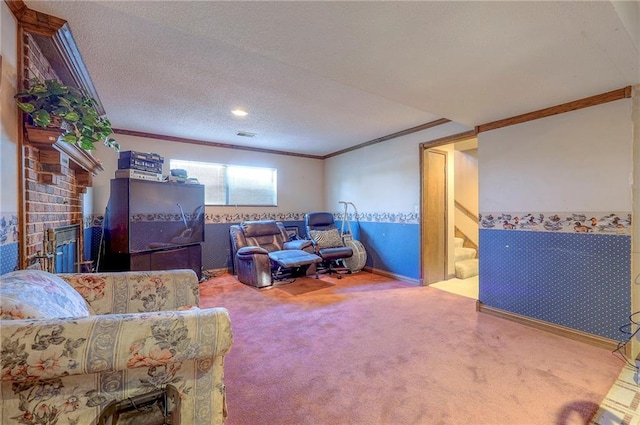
{"type": "Point", "coordinates": [34, 63]}
{"type": "Point", "coordinates": [51, 199]}
{"type": "Point", "coordinates": [52, 195]}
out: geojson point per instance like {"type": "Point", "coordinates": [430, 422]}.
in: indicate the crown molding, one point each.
{"type": "Point", "coordinates": [411, 130]}
{"type": "Point", "coordinates": [209, 144]}
{"type": "Point", "coordinates": [586, 102]}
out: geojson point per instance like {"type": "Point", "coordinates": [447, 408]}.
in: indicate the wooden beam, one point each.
{"type": "Point", "coordinates": [23, 249]}
{"type": "Point", "coordinates": [79, 158]}
{"type": "Point", "coordinates": [47, 140]}
{"type": "Point", "coordinates": [53, 157]}
{"type": "Point", "coordinates": [42, 136]}
{"type": "Point", "coordinates": [598, 99]}
{"type": "Point", "coordinates": [459, 137]}
{"type": "Point", "coordinates": [53, 161]}
{"type": "Point", "coordinates": [48, 179]}
{"type": "Point", "coordinates": [390, 136]}
{"type": "Point", "coordinates": [84, 178]}
{"type": "Point", "coordinates": [33, 21]}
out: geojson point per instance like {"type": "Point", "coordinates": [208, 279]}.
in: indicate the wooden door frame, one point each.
{"type": "Point", "coordinates": [423, 195]}
{"type": "Point", "coordinates": [425, 239]}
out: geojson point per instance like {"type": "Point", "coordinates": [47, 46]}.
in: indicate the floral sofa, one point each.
{"type": "Point", "coordinates": [72, 344]}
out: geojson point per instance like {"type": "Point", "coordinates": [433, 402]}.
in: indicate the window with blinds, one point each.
{"type": "Point", "coordinates": [235, 185]}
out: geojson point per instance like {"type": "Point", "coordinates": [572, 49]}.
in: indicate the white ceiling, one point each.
{"type": "Point", "coordinates": [319, 77]}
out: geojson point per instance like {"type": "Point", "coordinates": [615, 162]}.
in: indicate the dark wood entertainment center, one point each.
{"type": "Point", "coordinates": [151, 225]}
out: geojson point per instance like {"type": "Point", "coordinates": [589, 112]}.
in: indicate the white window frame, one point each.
{"type": "Point", "coordinates": [232, 185]}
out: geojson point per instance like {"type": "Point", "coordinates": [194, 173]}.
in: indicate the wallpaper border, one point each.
{"type": "Point", "coordinates": [610, 223]}
{"type": "Point", "coordinates": [96, 220]}
{"type": "Point", "coordinates": [8, 228]}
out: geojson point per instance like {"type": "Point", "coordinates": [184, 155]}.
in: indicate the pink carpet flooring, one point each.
{"type": "Point", "coordinates": [366, 349]}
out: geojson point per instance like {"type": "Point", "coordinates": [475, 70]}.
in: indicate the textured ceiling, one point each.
{"type": "Point", "coordinates": [319, 77]}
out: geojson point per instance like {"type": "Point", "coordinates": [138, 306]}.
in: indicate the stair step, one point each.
{"type": "Point", "coordinates": [467, 268]}
{"type": "Point", "coordinates": [458, 242]}
{"type": "Point", "coordinates": [461, 254]}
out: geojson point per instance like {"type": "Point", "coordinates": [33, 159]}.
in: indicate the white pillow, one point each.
{"type": "Point", "coordinates": [28, 294]}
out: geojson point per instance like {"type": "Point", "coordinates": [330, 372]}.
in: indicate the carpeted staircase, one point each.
{"type": "Point", "coordinates": [466, 263]}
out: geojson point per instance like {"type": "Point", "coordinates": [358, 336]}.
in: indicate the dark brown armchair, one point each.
{"type": "Point", "coordinates": [328, 243]}
{"type": "Point", "coordinates": [262, 252]}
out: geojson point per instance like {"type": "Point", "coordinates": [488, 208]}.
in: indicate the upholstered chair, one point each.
{"type": "Point", "coordinates": [73, 344]}
{"type": "Point", "coordinates": [262, 248]}
{"type": "Point", "coordinates": [328, 243]}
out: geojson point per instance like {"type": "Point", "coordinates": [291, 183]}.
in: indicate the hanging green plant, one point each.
{"type": "Point", "coordinates": [50, 103]}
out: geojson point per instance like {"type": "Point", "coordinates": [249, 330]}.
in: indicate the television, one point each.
{"type": "Point", "coordinates": [145, 215]}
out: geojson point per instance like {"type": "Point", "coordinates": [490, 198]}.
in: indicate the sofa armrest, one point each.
{"type": "Point", "coordinates": [298, 244]}
{"type": "Point", "coordinates": [135, 292]}
{"type": "Point", "coordinates": [39, 349]}
{"type": "Point", "coordinates": [251, 249]}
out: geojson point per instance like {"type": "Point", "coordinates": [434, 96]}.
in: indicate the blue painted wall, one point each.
{"type": "Point", "coordinates": [8, 242]}
{"type": "Point", "coordinates": [580, 281]}
{"type": "Point", "coordinates": [391, 247]}
{"type": "Point", "coordinates": [8, 257]}
{"type": "Point", "coordinates": [216, 249]}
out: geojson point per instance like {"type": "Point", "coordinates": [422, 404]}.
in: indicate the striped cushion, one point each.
{"type": "Point", "coordinates": [326, 238]}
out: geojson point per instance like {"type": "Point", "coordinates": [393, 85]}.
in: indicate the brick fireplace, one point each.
{"type": "Point", "coordinates": [51, 200]}
{"type": "Point", "coordinates": [55, 176]}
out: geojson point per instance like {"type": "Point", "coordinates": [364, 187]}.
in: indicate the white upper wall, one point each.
{"type": "Point", "coordinates": [8, 113]}
{"type": "Point", "coordinates": [87, 202]}
{"type": "Point", "coordinates": [576, 161]}
{"type": "Point", "coordinates": [466, 191]}
{"type": "Point", "coordinates": [629, 13]}
{"type": "Point", "coordinates": [466, 178]}
{"type": "Point", "coordinates": [384, 177]}
{"type": "Point", "coordinates": [300, 180]}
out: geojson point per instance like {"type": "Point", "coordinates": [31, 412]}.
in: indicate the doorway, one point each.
{"type": "Point", "coordinates": [435, 217]}
{"type": "Point", "coordinates": [449, 214]}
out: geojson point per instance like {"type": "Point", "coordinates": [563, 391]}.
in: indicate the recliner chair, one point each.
{"type": "Point", "coordinates": [328, 243]}
{"type": "Point", "coordinates": [262, 253]}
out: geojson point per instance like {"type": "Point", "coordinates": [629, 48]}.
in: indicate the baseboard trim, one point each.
{"type": "Point", "coordinates": [595, 340]}
{"type": "Point", "coordinates": [391, 275]}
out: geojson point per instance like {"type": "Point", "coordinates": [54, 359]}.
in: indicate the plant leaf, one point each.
{"type": "Point", "coordinates": [58, 89]}
{"type": "Point", "coordinates": [27, 107]}
{"type": "Point", "coordinates": [42, 118]}
{"type": "Point", "coordinates": [48, 99]}
{"type": "Point", "coordinates": [87, 145]}
{"type": "Point", "coordinates": [71, 116]}
{"type": "Point", "coordinates": [69, 138]}
{"type": "Point", "coordinates": [38, 89]}
{"type": "Point", "coordinates": [111, 143]}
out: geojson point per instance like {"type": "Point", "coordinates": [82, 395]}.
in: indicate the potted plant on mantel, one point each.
{"type": "Point", "coordinates": [51, 104]}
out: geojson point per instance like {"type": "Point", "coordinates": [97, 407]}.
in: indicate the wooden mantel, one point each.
{"type": "Point", "coordinates": [48, 139]}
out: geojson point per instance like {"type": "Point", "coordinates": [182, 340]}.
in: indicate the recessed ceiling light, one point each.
{"type": "Point", "coordinates": [239, 112]}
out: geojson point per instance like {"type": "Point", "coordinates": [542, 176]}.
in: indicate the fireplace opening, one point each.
{"type": "Point", "coordinates": [62, 249]}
